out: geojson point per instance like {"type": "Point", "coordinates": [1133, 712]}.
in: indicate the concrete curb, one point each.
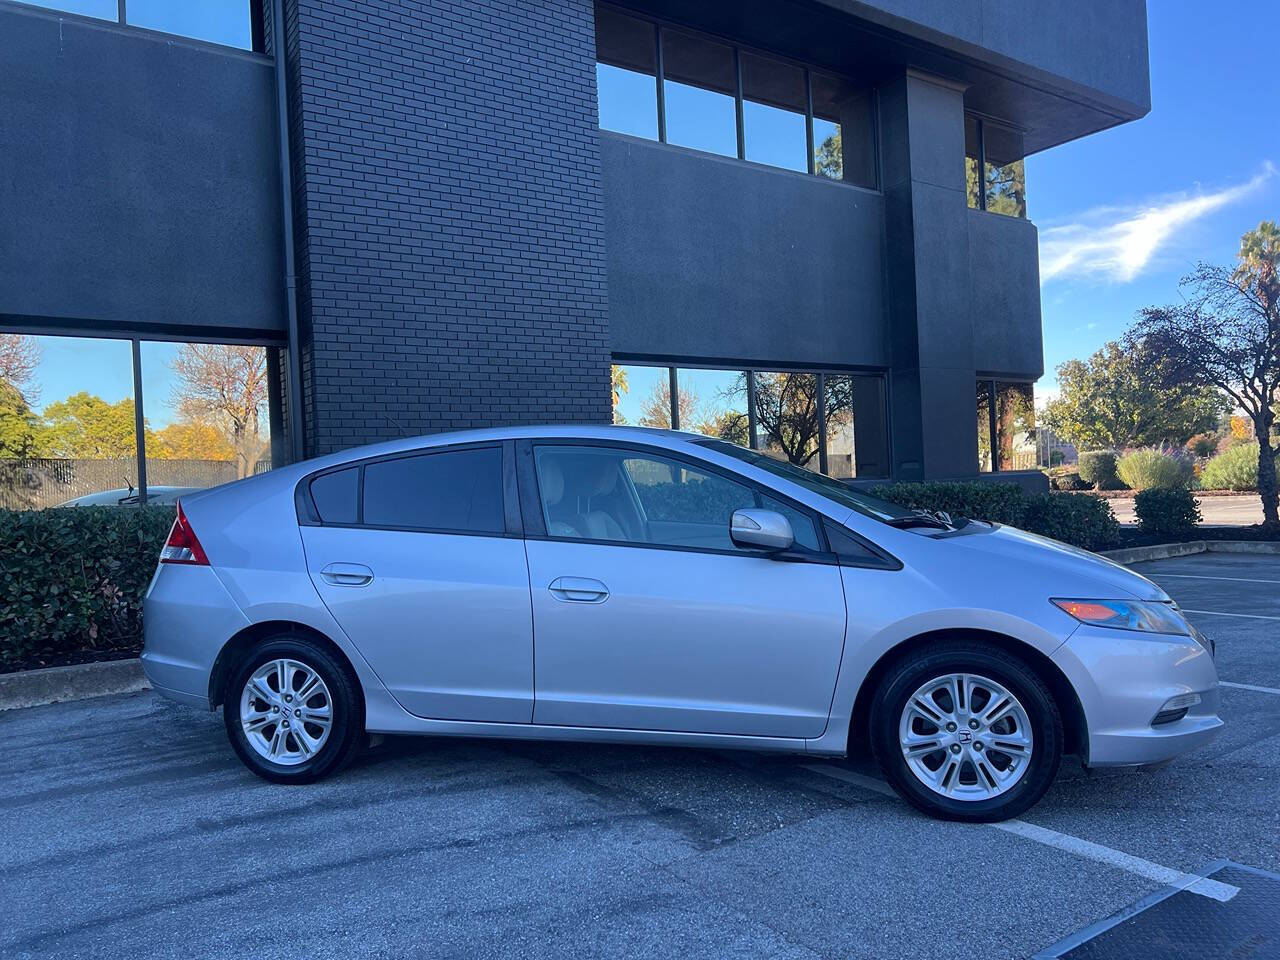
{"type": "Point", "coordinates": [1162, 551]}
{"type": "Point", "coordinates": [32, 688]}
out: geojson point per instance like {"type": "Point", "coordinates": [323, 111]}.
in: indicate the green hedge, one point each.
{"type": "Point", "coordinates": [1154, 469]}
{"type": "Point", "coordinates": [72, 580]}
{"type": "Point", "coordinates": [1098, 467]}
{"type": "Point", "coordinates": [1074, 518]}
{"type": "Point", "coordinates": [1233, 469]}
{"type": "Point", "coordinates": [1167, 513]}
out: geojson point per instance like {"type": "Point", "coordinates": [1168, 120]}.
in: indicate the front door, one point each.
{"type": "Point", "coordinates": [416, 562]}
{"type": "Point", "coordinates": [647, 617]}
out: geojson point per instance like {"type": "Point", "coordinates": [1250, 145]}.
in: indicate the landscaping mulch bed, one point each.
{"type": "Point", "coordinates": [70, 657]}
{"type": "Point", "coordinates": [1134, 537]}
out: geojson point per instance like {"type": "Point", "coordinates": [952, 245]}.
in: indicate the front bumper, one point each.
{"type": "Point", "coordinates": [187, 617]}
{"type": "Point", "coordinates": [1123, 680]}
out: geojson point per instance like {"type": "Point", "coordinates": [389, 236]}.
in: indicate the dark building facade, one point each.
{"type": "Point", "coordinates": [798, 223]}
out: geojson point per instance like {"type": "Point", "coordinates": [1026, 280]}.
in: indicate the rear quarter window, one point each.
{"type": "Point", "coordinates": [335, 496]}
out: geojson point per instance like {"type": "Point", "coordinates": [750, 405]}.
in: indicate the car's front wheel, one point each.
{"type": "Point", "coordinates": [966, 731]}
{"type": "Point", "coordinates": [292, 711]}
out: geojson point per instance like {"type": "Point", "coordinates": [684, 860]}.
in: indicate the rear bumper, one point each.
{"type": "Point", "coordinates": [187, 617]}
{"type": "Point", "coordinates": [1123, 680]}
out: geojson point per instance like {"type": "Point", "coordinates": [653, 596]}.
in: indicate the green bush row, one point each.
{"type": "Point", "coordinates": [1233, 469]}
{"type": "Point", "coordinates": [72, 580]}
{"type": "Point", "coordinates": [1167, 512]}
{"type": "Point", "coordinates": [1078, 519]}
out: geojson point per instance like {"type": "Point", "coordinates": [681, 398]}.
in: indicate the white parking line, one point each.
{"type": "Point", "coordinates": [1220, 613]}
{"type": "Point", "coordinates": [1213, 889]}
{"type": "Point", "coordinates": [1201, 576]}
{"type": "Point", "coordinates": [1250, 686]}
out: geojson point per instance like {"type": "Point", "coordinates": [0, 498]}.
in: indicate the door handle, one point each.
{"type": "Point", "coordinates": [579, 590]}
{"type": "Point", "coordinates": [347, 574]}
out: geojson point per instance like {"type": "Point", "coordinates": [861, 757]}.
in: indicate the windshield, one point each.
{"type": "Point", "coordinates": [820, 484]}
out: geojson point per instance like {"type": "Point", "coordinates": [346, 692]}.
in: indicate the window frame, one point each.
{"type": "Point", "coordinates": [981, 124]}
{"type": "Point", "coordinates": [661, 24]}
{"type": "Point", "coordinates": [535, 526]}
{"type": "Point", "coordinates": [257, 11]}
{"type": "Point", "coordinates": [992, 384]}
{"type": "Point", "coordinates": [309, 515]}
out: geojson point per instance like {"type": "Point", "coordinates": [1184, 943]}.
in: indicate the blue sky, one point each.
{"type": "Point", "coordinates": [1125, 213]}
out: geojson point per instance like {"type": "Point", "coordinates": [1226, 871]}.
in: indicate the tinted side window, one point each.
{"type": "Point", "coordinates": [335, 495]}
{"type": "Point", "coordinates": [453, 490]}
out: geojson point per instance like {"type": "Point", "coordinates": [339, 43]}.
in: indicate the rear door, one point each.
{"type": "Point", "coordinates": [419, 558]}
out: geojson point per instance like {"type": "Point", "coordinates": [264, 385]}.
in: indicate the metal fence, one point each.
{"type": "Point", "coordinates": [35, 483]}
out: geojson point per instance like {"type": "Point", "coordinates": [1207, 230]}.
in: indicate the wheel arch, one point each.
{"type": "Point", "coordinates": [248, 638]}
{"type": "Point", "coordinates": [1074, 725]}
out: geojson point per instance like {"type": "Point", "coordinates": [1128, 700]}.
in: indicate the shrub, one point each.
{"type": "Point", "coordinates": [1067, 480]}
{"type": "Point", "coordinates": [1153, 468]}
{"type": "Point", "coordinates": [1167, 513]}
{"type": "Point", "coordinates": [1057, 458]}
{"type": "Point", "coordinates": [71, 582]}
{"type": "Point", "coordinates": [1234, 469]}
{"type": "Point", "coordinates": [1075, 518]}
{"type": "Point", "coordinates": [996, 502]}
{"type": "Point", "coordinates": [1098, 467]}
{"type": "Point", "coordinates": [1203, 445]}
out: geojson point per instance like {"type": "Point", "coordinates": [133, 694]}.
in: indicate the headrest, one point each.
{"type": "Point", "coordinates": [551, 480]}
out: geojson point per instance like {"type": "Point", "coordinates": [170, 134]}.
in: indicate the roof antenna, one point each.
{"type": "Point", "coordinates": [397, 424]}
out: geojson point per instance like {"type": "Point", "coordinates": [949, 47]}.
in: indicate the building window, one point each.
{"type": "Point", "coordinates": [1006, 426]}
{"type": "Point", "coordinates": [685, 88]}
{"type": "Point", "coordinates": [997, 152]}
{"type": "Point", "coordinates": [835, 423]}
{"type": "Point", "coordinates": [626, 74]}
{"type": "Point", "coordinates": [230, 23]}
{"type": "Point", "coordinates": [71, 425]}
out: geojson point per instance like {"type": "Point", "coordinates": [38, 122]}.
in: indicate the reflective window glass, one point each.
{"type": "Point", "coordinates": [787, 416]}
{"type": "Point", "coordinates": [857, 426]}
{"type": "Point", "coordinates": [773, 112]}
{"type": "Point", "coordinates": [843, 130]}
{"type": "Point", "coordinates": [714, 403]}
{"type": "Point", "coordinates": [984, 426]}
{"type": "Point", "coordinates": [699, 91]}
{"type": "Point", "coordinates": [101, 9]}
{"type": "Point", "coordinates": [207, 414]}
{"type": "Point", "coordinates": [454, 490]}
{"type": "Point", "coordinates": [1016, 426]}
{"type": "Point", "coordinates": [641, 395]}
{"type": "Point", "coordinates": [626, 63]}
{"type": "Point", "coordinates": [67, 424]}
{"type": "Point", "coordinates": [972, 159]}
{"type": "Point", "coordinates": [1006, 181]}
{"type": "Point", "coordinates": [218, 21]}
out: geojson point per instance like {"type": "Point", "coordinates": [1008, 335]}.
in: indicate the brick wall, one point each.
{"type": "Point", "coordinates": [449, 221]}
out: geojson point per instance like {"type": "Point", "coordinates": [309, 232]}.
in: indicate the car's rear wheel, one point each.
{"type": "Point", "coordinates": [292, 711]}
{"type": "Point", "coordinates": [966, 731]}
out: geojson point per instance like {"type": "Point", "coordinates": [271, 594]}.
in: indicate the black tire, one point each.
{"type": "Point", "coordinates": [347, 726]}
{"type": "Point", "coordinates": [943, 657]}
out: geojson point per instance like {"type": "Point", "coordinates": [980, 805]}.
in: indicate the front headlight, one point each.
{"type": "Point", "coordinates": [1138, 615]}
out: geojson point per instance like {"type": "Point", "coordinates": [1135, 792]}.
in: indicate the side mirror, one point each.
{"type": "Point", "coordinates": [760, 530]}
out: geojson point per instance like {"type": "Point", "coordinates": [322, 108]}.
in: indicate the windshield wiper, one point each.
{"type": "Point", "coordinates": [934, 519]}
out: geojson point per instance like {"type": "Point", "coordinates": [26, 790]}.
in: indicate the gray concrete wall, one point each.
{"type": "Point", "coordinates": [718, 259]}
{"type": "Point", "coordinates": [138, 180]}
{"type": "Point", "coordinates": [1004, 296]}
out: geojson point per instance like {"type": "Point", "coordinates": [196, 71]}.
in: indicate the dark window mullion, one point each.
{"type": "Point", "coordinates": [982, 173]}
{"type": "Point", "coordinates": [662, 96]}
{"type": "Point", "coordinates": [992, 421]}
{"type": "Point", "coordinates": [120, 13]}
{"type": "Point", "coordinates": [139, 421]}
{"type": "Point", "coordinates": [808, 118]}
{"type": "Point", "coordinates": [753, 438]}
{"type": "Point", "coordinates": [822, 423]}
{"type": "Point", "coordinates": [737, 103]}
{"type": "Point", "coordinates": [675, 397]}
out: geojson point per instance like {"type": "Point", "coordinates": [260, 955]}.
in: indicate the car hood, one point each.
{"type": "Point", "coordinates": [1080, 573]}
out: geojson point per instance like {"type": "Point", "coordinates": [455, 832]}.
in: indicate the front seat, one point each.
{"type": "Point", "coordinates": [551, 479]}
{"type": "Point", "coordinates": [601, 524]}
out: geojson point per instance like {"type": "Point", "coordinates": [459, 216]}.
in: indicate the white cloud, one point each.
{"type": "Point", "coordinates": [1117, 243]}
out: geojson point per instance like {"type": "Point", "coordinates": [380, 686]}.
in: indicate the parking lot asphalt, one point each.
{"type": "Point", "coordinates": [128, 828]}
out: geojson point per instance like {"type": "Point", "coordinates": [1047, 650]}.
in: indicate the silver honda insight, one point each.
{"type": "Point", "coordinates": [645, 586]}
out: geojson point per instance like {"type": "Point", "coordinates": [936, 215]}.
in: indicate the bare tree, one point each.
{"type": "Point", "coordinates": [19, 358]}
{"type": "Point", "coordinates": [225, 385]}
{"type": "Point", "coordinates": [656, 411]}
{"type": "Point", "coordinates": [1226, 334]}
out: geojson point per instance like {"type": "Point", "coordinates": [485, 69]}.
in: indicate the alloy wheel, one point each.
{"type": "Point", "coordinates": [965, 737]}
{"type": "Point", "coordinates": [286, 711]}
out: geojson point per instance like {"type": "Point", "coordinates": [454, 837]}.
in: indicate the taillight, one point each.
{"type": "Point", "coordinates": [182, 545]}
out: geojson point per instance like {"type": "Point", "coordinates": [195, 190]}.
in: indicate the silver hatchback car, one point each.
{"type": "Point", "coordinates": [643, 586]}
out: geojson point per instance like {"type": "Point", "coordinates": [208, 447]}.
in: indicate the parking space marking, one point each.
{"type": "Point", "coordinates": [1250, 686]}
{"type": "Point", "coordinates": [1221, 613]}
{"type": "Point", "coordinates": [1201, 576]}
{"type": "Point", "coordinates": [1086, 849]}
